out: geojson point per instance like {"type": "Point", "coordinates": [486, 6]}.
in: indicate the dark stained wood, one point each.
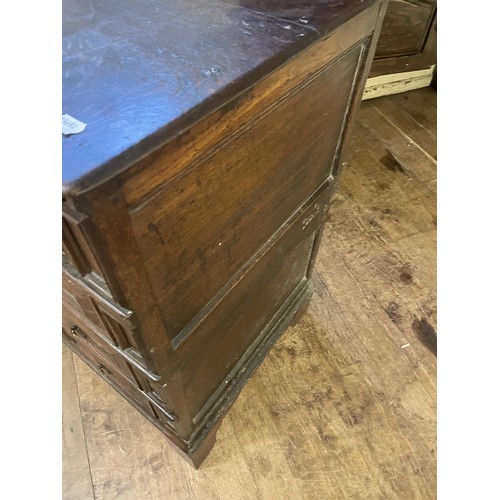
{"type": "Point", "coordinates": [323, 16]}
{"type": "Point", "coordinates": [188, 267]}
{"type": "Point", "coordinates": [236, 322]}
{"type": "Point", "coordinates": [139, 73]}
{"type": "Point", "coordinates": [76, 245]}
{"type": "Point", "coordinates": [209, 135]}
{"type": "Point", "coordinates": [405, 28]}
{"type": "Point", "coordinates": [408, 38]}
{"type": "Point", "coordinates": [344, 404]}
{"type": "Point", "coordinates": [223, 229]}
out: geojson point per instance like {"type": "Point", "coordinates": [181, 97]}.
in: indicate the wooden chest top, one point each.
{"type": "Point", "coordinates": [140, 72]}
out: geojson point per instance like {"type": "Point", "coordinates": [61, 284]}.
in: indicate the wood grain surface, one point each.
{"type": "Point", "coordinates": [344, 406]}
{"type": "Point", "coordinates": [120, 59]}
{"type": "Point", "coordinates": [408, 40]}
{"type": "Point", "coordinates": [405, 28]}
{"type": "Point", "coordinates": [76, 478]}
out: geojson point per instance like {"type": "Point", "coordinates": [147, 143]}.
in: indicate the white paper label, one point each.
{"type": "Point", "coordinates": [71, 125]}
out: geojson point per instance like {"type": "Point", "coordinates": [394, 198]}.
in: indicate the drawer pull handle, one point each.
{"type": "Point", "coordinates": [68, 337]}
{"type": "Point", "coordinates": [76, 330]}
{"type": "Point", "coordinates": [103, 370]}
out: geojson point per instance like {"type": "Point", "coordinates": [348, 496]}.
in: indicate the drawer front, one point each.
{"type": "Point", "coordinates": [100, 313]}
{"type": "Point", "coordinates": [142, 395]}
{"type": "Point", "coordinates": [77, 329]}
{"type": "Point", "coordinates": [234, 328]}
{"type": "Point", "coordinates": [127, 360]}
{"type": "Point", "coordinates": [113, 322]}
{"type": "Point", "coordinates": [199, 230]}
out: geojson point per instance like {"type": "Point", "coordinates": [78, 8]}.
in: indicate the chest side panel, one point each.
{"type": "Point", "coordinates": [215, 215]}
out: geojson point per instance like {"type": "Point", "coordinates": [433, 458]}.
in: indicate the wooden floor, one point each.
{"type": "Point", "coordinates": [344, 406]}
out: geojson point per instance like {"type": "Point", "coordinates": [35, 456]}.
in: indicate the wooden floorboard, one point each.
{"type": "Point", "coordinates": [76, 477]}
{"type": "Point", "coordinates": [421, 105]}
{"type": "Point", "coordinates": [344, 406]}
{"type": "Point", "coordinates": [392, 147]}
{"type": "Point", "coordinates": [409, 127]}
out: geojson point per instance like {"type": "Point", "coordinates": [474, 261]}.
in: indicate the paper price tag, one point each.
{"type": "Point", "coordinates": [71, 125]}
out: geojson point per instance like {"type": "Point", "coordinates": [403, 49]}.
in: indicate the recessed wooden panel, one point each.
{"type": "Point", "coordinates": [217, 344]}
{"type": "Point", "coordinates": [211, 219]}
{"type": "Point", "coordinates": [77, 252]}
{"type": "Point", "coordinates": [405, 28]}
{"type": "Point", "coordinates": [407, 41]}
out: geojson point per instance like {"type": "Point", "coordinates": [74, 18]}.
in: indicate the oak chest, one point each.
{"type": "Point", "coordinates": [194, 198]}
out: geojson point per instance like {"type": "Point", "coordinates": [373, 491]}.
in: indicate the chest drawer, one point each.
{"type": "Point", "coordinates": [128, 361]}
{"type": "Point", "coordinates": [138, 392]}
{"type": "Point", "coordinates": [113, 323]}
